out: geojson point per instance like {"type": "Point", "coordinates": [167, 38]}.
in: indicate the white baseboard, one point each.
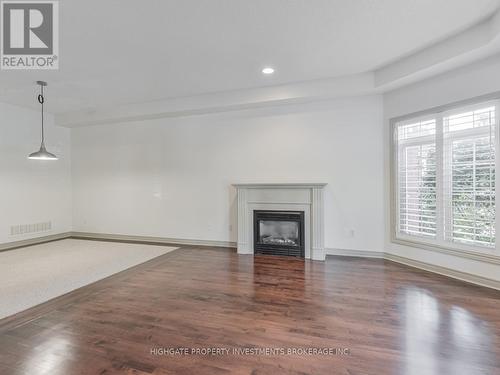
{"type": "Point", "coordinates": [355, 253]}
{"type": "Point", "coordinates": [464, 276]}
{"type": "Point", "coordinates": [34, 241]}
{"type": "Point", "coordinates": [155, 240]}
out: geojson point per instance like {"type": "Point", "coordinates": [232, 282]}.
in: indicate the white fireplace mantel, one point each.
{"type": "Point", "coordinates": [307, 197]}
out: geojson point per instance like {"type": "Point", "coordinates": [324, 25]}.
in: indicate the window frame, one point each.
{"type": "Point", "coordinates": [439, 243]}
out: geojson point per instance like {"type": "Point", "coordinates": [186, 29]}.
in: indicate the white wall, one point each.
{"type": "Point", "coordinates": [465, 83]}
{"type": "Point", "coordinates": [32, 191]}
{"type": "Point", "coordinates": [172, 177]}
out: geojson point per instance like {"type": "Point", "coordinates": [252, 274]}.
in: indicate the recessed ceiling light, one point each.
{"type": "Point", "coordinates": [268, 70]}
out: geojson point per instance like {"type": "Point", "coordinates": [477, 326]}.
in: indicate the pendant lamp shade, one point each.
{"type": "Point", "coordinates": [42, 154]}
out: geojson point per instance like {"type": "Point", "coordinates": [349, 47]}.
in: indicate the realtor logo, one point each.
{"type": "Point", "coordinates": [30, 35]}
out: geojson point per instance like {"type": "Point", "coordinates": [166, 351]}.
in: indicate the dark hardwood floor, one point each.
{"type": "Point", "coordinates": [392, 319]}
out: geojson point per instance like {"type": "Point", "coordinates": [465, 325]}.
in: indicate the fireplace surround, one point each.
{"type": "Point", "coordinates": [295, 197]}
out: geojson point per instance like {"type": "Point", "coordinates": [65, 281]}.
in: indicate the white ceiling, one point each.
{"type": "Point", "coordinates": [118, 52]}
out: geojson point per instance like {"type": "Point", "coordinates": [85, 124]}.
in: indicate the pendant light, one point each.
{"type": "Point", "coordinates": [42, 154]}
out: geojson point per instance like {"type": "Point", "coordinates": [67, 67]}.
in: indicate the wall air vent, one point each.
{"type": "Point", "coordinates": [17, 230]}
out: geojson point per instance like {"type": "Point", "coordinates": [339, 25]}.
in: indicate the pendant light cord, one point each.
{"type": "Point", "coordinates": [41, 99]}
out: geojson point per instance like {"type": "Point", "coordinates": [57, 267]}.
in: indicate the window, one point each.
{"type": "Point", "coordinates": [445, 178]}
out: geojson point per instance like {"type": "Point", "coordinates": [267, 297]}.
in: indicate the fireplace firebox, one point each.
{"type": "Point", "coordinates": [279, 233]}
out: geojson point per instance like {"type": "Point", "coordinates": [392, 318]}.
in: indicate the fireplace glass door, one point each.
{"type": "Point", "coordinates": [279, 233]}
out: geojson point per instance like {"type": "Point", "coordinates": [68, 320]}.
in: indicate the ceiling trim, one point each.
{"type": "Point", "coordinates": [476, 42]}
{"type": "Point", "coordinates": [224, 101]}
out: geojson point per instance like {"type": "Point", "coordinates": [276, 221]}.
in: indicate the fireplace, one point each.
{"type": "Point", "coordinates": [279, 233]}
{"type": "Point", "coordinates": [287, 198]}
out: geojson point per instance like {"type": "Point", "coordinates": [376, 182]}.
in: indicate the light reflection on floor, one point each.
{"type": "Point", "coordinates": [425, 321]}
{"type": "Point", "coordinates": [50, 357]}
{"type": "Point", "coordinates": [421, 333]}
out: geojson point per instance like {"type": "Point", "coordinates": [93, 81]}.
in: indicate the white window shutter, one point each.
{"type": "Point", "coordinates": [445, 177]}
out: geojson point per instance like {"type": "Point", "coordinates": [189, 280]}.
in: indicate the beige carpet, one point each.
{"type": "Point", "coordinates": [35, 274]}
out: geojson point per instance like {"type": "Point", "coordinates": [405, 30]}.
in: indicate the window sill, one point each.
{"type": "Point", "coordinates": [488, 256]}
